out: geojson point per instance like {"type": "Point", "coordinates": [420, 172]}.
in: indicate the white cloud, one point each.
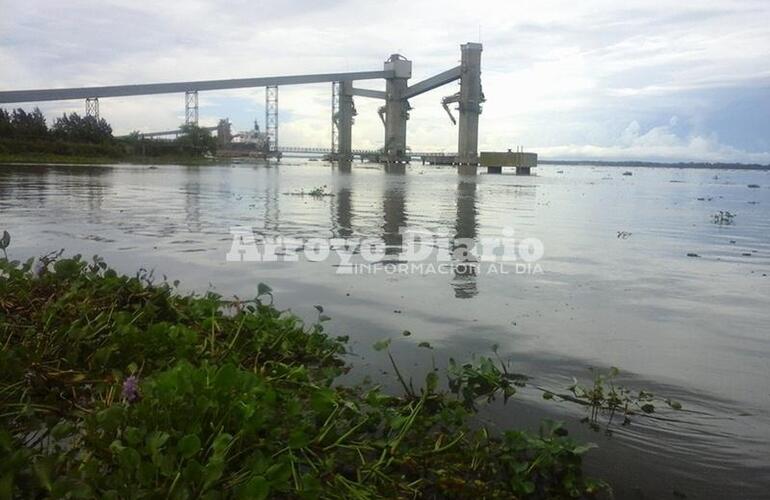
{"type": "Point", "coordinates": [659, 143]}
{"type": "Point", "coordinates": [565, 78]}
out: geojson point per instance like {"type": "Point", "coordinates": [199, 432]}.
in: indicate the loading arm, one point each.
{"type": "Point", "coordinates": [446, 101]}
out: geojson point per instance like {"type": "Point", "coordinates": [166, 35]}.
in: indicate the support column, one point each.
{"type": "Point", "coordinates": [92, 107]}
{"type": "Point", "coordinates": [470, 101]}
{"type": "Point", "coordinates": [271, 118]}
{"type": "Point", "coordinates": [396, 108]}
{"type": "Point", "coordinates": [191, 107]}
{"type": "Point", "coordinates": [345, 115]}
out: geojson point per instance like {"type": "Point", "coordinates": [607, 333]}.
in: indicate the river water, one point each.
{"type": "Point", "coordinates": [614, 287]}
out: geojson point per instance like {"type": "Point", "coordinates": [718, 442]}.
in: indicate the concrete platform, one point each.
{"type": "Point", "coordinates": [495, 161]}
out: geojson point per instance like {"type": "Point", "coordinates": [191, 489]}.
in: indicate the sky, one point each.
{"type": "Point", "coordinates": [633, 80]}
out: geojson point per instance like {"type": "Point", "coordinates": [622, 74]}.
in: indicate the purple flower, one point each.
{"type": "Point", "coordinates": [131, 389]}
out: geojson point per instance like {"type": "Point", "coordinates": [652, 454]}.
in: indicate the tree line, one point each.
{"type": "Point", "coordinates": [23, 132]}
{"type": "Point", "coordinates": [20, 124]}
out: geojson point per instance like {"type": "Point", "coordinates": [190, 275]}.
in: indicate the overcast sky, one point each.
{"type": "Point", "coordinates": [635, 79]}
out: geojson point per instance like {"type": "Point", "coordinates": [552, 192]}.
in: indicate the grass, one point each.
{"type": "Point", "coordinates": [118, 386]}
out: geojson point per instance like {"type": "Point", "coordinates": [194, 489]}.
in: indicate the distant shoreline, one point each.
{"type": "Point", "coordinates": [653, 164]}
{"type": "Point", "coordinates": [52, 159]}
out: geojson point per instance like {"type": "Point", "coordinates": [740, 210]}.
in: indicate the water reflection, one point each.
{"type": "Point", "coordinates": [272, 210]}
{"type": "Point", "coordinates": [394, 216]}
{"type": "Point", "coordinates": [192, 202]}
{"type": "Point", "coordinates": [94, 191]}
{"type": "Point", "coordinates": [342, 217]}
{"type": "Point", "coordinates": [464, 265]}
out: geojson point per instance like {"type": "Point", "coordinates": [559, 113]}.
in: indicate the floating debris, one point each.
{"type": "Point", "coordinates": [723, 217]}
{"type": "Point", "coordinates": [318, 192]}
{"type": "Point", "coordinates": [623, 235]}
{"type": "Point", "coordinates": [628, 172]}
{"type": "Point", "coordinates": [693, 255]}
{"type": "Point", "coordinates": [754, 186]}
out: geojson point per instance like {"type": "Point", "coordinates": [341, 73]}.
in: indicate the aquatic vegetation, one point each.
{"type": "Point", "coordinates": [5, 240]}
{"type": "Point", "coordinates": [317, 192]}
{"type": "Point", "coordinates": [723, 217]}
{"type": "Point", "coordinates": [118, 386]}
{"type": "Point", "coordinates": [605, 398]}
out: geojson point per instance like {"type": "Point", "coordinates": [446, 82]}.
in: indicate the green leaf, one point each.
{"type": "Point", "coordinates": [226, 377]}
{"type": "Point", "coordinates": [221, 443]}
{"type": "Point", "coordinates": [212, 472]}
{"type": "Point", "coordinates": [381, 345]}
{"type": "Point", "coordinates": [547, 395]}
{"type": "Point", "coordinates": [258, 488]}
{"type": "Point", "coordinates": [5, 240]}
{"type": "Point", "coordinates": [320, 309]}
{"type": "Point", "coordinates": [431, 382]}
{"type": "Point", "coordinates": [406, 333]}
{"type": "Point", "coordinates": [62, 430]}
{"type": "Point", "coordinates": [263, 289]}
{"type": "Point", "coordinates": [426, 345]}
{"type": "Point", "coordinates": [648, 408]}
{"type": "Point", "coordinates": [156, 440]}
{"type": "Point", "coordinates": [133, 435]}
{"type": "Point", "coordinates": [579, 450]}
{"type": "Point", "coordinates": [129, 458]}
{"type": "Point", "coordinates": [189, 445]}
{"type": "Point", "coordinates": [674, 404]}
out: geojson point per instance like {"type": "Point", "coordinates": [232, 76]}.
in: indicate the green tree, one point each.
{"type": "Point", "coordinates": [76, 128]}
{"type": "Point", "coordinates": [196, 140]}
{"type": "Point", "coordinates": [6, 126]}
{"type": "Point", "coordinates": [28, 125]}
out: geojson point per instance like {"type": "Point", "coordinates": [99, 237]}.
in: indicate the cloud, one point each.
{"type": "Point", "coordinates": [559, 77]}
{"type": "Point", "coordinates": [659, 143]}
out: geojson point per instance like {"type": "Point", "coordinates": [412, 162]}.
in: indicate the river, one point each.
{"type": "Point", "coordinates": [614, 285]}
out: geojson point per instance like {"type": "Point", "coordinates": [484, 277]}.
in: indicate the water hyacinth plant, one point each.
{"type": "Point", "coordinates": [116, 386]}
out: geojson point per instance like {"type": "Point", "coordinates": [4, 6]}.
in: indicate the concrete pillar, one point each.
{"type": "Point", "coordinates": [471, 98]}
{"type": "Point", "coordinates": [466, 169]}
{"type": "Point", "coordinates": [396, 108]}
{"type": "Point", "coordinates": [224, 134]}
{"type": "Point", "coordinates": [344, 165]}
{"type": "Point", "coordinates": [345, 120]}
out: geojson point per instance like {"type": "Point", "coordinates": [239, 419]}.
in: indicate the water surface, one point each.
{"type": "Point", "coordinates": [694, 329]}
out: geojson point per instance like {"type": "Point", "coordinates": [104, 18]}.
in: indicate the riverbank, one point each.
{"type": "Point", "coordinates": [54, 159]}
{"type": "Point", "coordinates": [116, 387]}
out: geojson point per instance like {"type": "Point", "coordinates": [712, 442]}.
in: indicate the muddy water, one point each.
{"type": "Point", "coordinates": [695, 329]}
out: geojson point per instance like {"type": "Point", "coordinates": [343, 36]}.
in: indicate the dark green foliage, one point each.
{"type": "Point", "coordinates": [118, 387]}
{"type": "Point", "coordinates": [6, 126]}
{"type": "Point", "coordinates": [196, 140]}
{"type": "Point", "coordinates": [83, 129]}
{"type": "Point", "coordinates": [19, 124]}
{"type": "Point", "coordinates": [25, 136]}
{"type": "Point", "coordinates": [60, 148]}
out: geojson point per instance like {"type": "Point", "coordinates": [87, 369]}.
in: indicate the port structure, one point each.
{"type": "Point", "coordinates": [397, 70]}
